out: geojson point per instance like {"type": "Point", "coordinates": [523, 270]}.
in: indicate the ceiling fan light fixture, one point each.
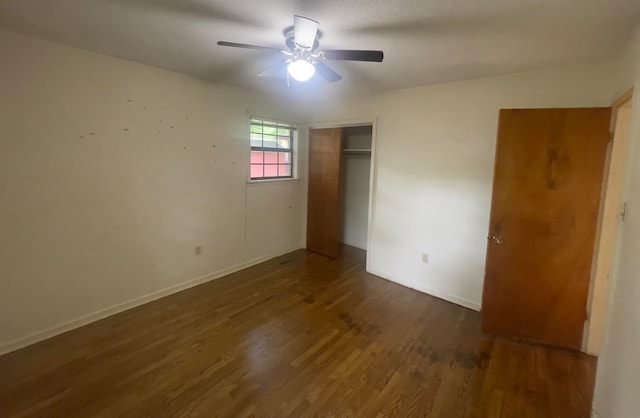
{"type": "Point", "coordinates": [301, 69]}
{"type": "Point", "coordinates": [302, 55]}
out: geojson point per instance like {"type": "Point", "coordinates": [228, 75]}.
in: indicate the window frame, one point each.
{"type": "Point", "coordinates": [262, 122]}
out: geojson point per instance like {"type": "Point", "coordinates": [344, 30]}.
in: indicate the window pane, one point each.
{"type": "Point", "coordinates": [256, 171]}
{"type": "Point", "coordinates": [256, 140]}
{"type": "Point", "coordinates": [284, 132]}
{"type": "Point", "coordinates": [284, 142]}
{"type": "Point", "coordinates": [271, 171]}
{"type": "Point", "coordinates": [270, 157]}
{"type": "Point", "coordinates": [284, 158]}
{"type": "Point", "coordinates": [256, 129]}
{"type": "Point", "coordinates": [269, 141]}
{"type": "Point", "coordinates": [270, 130]}
{"type": "Point", "coordinates": [257, 157]}
{"type": "Point", "coordinates": [284, 170]}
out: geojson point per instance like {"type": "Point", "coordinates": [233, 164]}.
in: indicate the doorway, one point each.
{"type": "Point", "coordinates": [354, 185]}
{"type": "Point", "coordinates": [613, 211]}
{"type": "Point", "coordinates": [340, 183]}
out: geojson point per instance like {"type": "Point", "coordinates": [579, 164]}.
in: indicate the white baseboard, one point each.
{"type": "Point", "coordinates": [112, 310]}
{"type": "Point", "coordinates": [428, 290]}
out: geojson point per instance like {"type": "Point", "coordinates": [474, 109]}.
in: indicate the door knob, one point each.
{"type": "Point", "coordinates": [496, 239]}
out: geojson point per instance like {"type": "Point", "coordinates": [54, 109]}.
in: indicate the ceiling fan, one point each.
{"type": "Point", "coordinates": [302, 58]}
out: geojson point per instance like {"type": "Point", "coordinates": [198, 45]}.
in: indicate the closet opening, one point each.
{"type": "Point", "coordinates": [339, 194]}
{"type": "Point", "coordinates": [354, 185]}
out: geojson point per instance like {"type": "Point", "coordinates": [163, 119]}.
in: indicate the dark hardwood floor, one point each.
{"type": "Point", "coordinates": [300, 335]}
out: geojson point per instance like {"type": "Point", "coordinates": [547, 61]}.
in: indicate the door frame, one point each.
{"type": "Point", "coordinates": [347, 124]}
{"type": "Point", "coordinates": [608, 233]}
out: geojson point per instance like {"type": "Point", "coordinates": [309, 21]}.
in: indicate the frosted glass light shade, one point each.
{"type": "Point", "coordinates": [301, 70]}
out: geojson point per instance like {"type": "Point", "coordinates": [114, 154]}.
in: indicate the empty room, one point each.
{"type": "Point", "coordinates": [218, 208]}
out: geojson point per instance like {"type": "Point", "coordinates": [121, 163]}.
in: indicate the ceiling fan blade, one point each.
{"type": "Point", "coordinates": [247, 46]}
{"type": "Point", "coordinates": [305, 31]}
{"type": "Point", "coordinates": [326, 72]}
{"type": "Point", "coordinates": [278, 70]}
{"type": "Point", "coordinates": [353, 55]}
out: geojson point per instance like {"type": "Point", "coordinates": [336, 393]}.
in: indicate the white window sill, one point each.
{"type": "Point", "coordinates": [251, 182]}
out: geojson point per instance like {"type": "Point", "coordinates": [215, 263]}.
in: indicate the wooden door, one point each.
{"type": "Point", "coordinates": [546, 196]}
{"type": "Point", "coordinates": [323, 210]}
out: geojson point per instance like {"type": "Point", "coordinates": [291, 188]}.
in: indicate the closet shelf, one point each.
{"type": "Point", "coordinates": [356, 151]}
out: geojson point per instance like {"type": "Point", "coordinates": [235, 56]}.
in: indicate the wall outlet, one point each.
{"type": "Point", "coordinates": [197, 250]}
{"type": "Point", "coordinates": [425, 258]}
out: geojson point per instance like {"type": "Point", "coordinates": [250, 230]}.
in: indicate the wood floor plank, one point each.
{"type": "Point", "coordinates": [300, 335]}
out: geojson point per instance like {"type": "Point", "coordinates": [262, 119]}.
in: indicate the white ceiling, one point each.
{"type": "Point", "coordinates": [424, 41]}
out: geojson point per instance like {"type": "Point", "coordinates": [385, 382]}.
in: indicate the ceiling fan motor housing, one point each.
{"type": "Point", "coordinates": [291, 43]}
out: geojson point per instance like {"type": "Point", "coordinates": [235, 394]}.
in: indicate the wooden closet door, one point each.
{"type": "Point", "coordinates": [546, 196]}
{"type": "Point", "coordinates": [323, 212]}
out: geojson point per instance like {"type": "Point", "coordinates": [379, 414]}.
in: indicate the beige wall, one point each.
{"type": "Point", "coordinates": [111, 173]}
{"type": "Point", "coordinates": [434, 167]}
{"type": "Point", "coordinates": [618, 377]}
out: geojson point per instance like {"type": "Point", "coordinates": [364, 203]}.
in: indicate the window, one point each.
{"type": "Point", "coordinates": [271, 150]}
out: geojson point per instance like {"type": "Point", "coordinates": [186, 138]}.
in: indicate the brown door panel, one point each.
{"type": "Point", "coordinates": [323, 209]}
{"type": "Point", "coordinates": [546, 196]}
